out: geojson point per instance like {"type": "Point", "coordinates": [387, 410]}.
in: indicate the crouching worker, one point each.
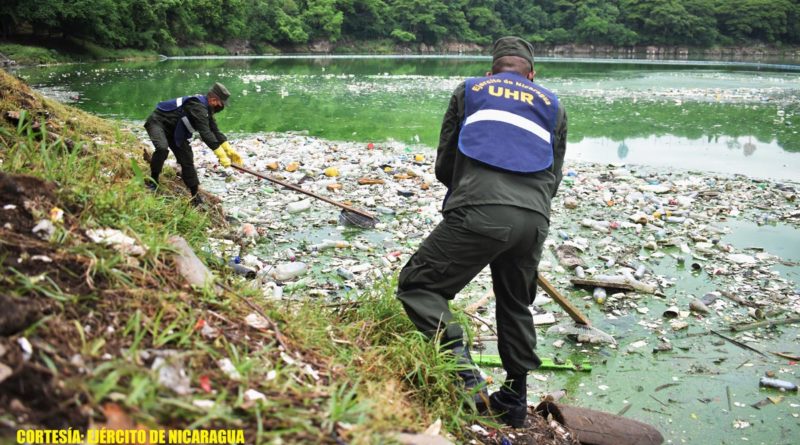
{"type": "Point", "coordinates": [501, 150]}
{"type": "Point", "coordinates": [171, 125]}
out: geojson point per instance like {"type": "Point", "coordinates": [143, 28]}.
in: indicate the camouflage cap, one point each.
{"type": "Point", "coordinates": [221, 92]}
{"type": "Point", "coordinates": [512, 46]}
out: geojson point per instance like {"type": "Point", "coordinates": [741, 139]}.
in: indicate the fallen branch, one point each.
{"type": "Point", "coordinates": [737, 342]}
{"type": "Point", "coordinates": [481, 320]}
{"type": "Point", "coordinates": [472, 308]}
{"type": "Point", "coordinates": [765, 323]}
{"type": "Point", "coordinates": [788, 356]}
{"type": "Point", "coordinates": [620, 282]}
{"type": "Point", "coordinates": [272, 325]}
{"type": "Point", "coordinates": [738, 299]}
{"type": "Point", "coordinates": [659, 401]}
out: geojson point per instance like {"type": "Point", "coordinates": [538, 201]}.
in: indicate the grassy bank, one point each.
{"type": "Point", "coordinates": [102, 336]}
{"type": "Point", "coordinates": [66, 50]}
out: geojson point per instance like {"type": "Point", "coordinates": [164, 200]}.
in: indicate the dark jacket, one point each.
{"type": "Point", "coordinates": [471, 182]}
{"type": "Point", "coordinates": [201, 118]}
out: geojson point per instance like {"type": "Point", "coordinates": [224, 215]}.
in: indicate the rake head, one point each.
{"type": "Point", "coordinates": [347, 218]}
{"type": "Point", "coordinates": [584, 332]}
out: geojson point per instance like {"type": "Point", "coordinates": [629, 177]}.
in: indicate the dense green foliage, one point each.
{"type": "Point", "coordinates": [167, 24]}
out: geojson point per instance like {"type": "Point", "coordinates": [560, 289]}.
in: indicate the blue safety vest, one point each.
{"type": "Point", "coordinates": [509, 123]}
{"type": "Point", "coordinates": [184, 128]}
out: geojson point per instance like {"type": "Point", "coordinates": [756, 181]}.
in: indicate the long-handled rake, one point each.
{"type": "Point", "coordinates": [348, 215]}
{"type": "Point", "coordinates": [581, 326]}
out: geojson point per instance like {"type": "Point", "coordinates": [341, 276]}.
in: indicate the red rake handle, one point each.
{"type": "Point", "coordinates": [303, 191]}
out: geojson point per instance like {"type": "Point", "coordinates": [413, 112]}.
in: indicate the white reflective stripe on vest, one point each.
{"type": "Point", "coordinates": [179, 101]}
{"type": "Point", "coordinates": [511, 119]}
{"type": "Point", "coordinates": [188, 124]}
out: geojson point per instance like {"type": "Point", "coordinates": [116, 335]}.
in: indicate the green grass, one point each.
{"type": "Point", "coordinates": [204, 49]}
{"type": "Point", "coordinates": [32, 55]}
{"type": "Point", "coordinates": [68, 50]}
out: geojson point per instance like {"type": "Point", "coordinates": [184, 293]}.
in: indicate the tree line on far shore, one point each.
{"type": "Point", "coordinates": [163, 24]}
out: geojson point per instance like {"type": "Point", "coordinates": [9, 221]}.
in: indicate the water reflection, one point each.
{"type": "Point", "coordinates": [715, 154]}
{"type": "Point", "coordinates": [622, 150]}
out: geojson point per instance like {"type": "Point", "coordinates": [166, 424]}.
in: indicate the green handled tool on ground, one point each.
{"type": "Point", "coordinates": [548, 364]}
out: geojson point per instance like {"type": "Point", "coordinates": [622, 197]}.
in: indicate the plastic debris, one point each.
{"type": "Point", "coordinates": [116, 239]}
{"type": "Point", "coordinates": [256, 321]}
{"type": "Point", "coordinates": [782, 385]}
{"type": "Point", "coordinates": [251, 395]}
{"type": "Point", "coordinates": [44, 229]}
{"type": "Point", "coordinates": [226, 365]}
{"type": "Point", "coordinates": [26, 347]}
{"type": "Point", "coordinates": [172, 375]}
{"type": "Point", "coordinates": [288, 271]}
{"type": "Point", "coordinates": [56, 215]}
{"type": "Point", "coordinates": [299, 206]}
{"type": "Point", "coordinates": [189, 265]}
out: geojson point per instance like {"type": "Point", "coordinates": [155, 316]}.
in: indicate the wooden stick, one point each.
{"type": "Point", "coordinates": [303, 191]}
{"type": "Point", "coordinates": [765, 323]}
{"type": "Point", "coordinates": [274, 326]}
{"type": "Point", "coordinates": [787, 356]}
{"type": "Point", "coordinates": [565, 304]}
{"type": "Point", "coordinates": [728, 393]}
{"type": "Point", "coordinates": [659, 401]}
{"type": "Point", "coordinates": [615, 282]}
{"type": "Point", "coordinates": [737, 342]}
{"type": "Point", "coordinates": [472, 308]}
{"type": "Point", "coordinates": [738, 299]}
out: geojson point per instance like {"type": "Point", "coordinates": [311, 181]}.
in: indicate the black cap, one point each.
{"type": "Point", "coordinates": [512, 46]}
{"type": "Point", "coordinates": [221, 92]}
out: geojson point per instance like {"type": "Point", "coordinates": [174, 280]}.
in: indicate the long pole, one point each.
{"type": "Point", "coordinates": [573, 311]}
{"type": "Point", "coordinates": [303, 191]}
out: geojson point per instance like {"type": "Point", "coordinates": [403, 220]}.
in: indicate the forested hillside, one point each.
{"type": "Point", "coordinates": [168, 24]}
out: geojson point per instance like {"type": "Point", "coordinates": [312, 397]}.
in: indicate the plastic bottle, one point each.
{"type": "Point", "coordinates": [344, 273]}
{"type": "Point", "coordinates": [329, 244]}
{"type": "Point", "coordinates": [287, 271]}
{"type": "Point", "coordinates": [242, 270]}
{"type": "Point", "coordinates": [579, 272]}
{"type": "Point", "coordinates": [599, 295]}
{"type": "Point", "coordinates": [298, 206]}
{"type": "Point", "coordinates": [783, 385]}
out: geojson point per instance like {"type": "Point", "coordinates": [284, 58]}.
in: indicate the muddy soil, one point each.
{"type": "Point", "coordinates": [33, 394]}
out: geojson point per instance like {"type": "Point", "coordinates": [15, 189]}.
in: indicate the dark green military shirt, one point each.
{"type": "Point", "coordinates": [201, 118]}
{"type": "Point", "coordinates": [471, 182]}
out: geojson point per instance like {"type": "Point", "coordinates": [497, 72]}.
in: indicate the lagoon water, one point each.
{"type": "Point", "coordinates": [736, 119]}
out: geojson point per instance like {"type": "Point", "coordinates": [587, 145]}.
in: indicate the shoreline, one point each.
{"type": "Point", "coordinates": [748, 54]}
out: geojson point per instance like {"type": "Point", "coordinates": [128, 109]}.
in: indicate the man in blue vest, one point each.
{"type": "Point", "coordinates": [501, 150]}
{"type": "Point", "coordinates": [171, 126]}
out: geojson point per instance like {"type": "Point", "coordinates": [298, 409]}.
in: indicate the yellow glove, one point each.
{"type": "Point", "coordinates": [235, 158]}
{"type": "Point", "coordinates": [223, 158]}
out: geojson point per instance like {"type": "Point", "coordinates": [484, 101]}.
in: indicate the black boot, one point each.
{"type": "Point", "coordinates": [151, 184]}
{"type": "Point", "coordinates": [511, 402]}
{"type": "Point", "coordinates": [474, 385]}
{"type": "Point", "coordinates": [197, 200]}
